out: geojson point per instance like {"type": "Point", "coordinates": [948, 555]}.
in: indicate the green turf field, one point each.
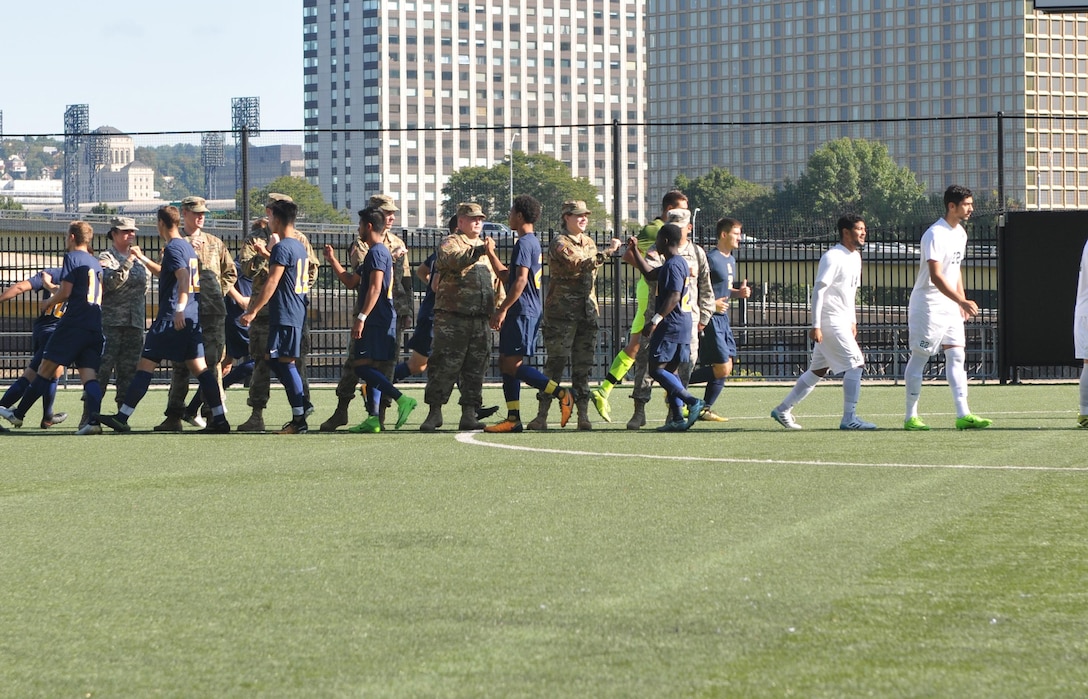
{"type": "Point", "coordinates": [735, 560]}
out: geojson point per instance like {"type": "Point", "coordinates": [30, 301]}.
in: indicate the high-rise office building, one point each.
{"type": "Point", "coordinates": [779, 78]}
{"type": "Point", "coordinates": [399, 95]}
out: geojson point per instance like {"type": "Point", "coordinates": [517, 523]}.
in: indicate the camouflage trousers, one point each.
{"type": "Point", "coordinates": [572, 341]}
{"type": "Point", "coordinates": [261, 381]}
{"type": "Point", "coordinates": [643, 381]}
{"type": "Point", "coordinates": [120, 355]}
{"type": "Point", "coordinates": [461, 354]}
{"type": "Point", "coordinates": [215, 342]}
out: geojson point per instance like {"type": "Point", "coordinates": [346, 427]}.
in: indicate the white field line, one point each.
{"type": "Point", "coordinates": [470, 439]}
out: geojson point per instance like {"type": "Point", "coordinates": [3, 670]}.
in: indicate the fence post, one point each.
{"type": "Point", "coordinates": [617, 230]}
{"type": "Point", "coordinates": [245, 179]}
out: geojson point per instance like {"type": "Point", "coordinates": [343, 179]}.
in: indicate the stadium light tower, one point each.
{"type": "Point", "coordinates": [246, 122]}
{"type": "Point", "coordinates": [77, 118]}
{"type": "Point", "coordinates": [212, 157]}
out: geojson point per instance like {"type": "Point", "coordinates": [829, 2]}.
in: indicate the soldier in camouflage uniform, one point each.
{"type": "Point", "coordinates": [217, 277]}
{"type": "Point", "coordinates": [125, 282]}
{"type": "Point", "coordinates": [403, 303]}
{"type": "Point", "coordinates": [254, 260]}
{"type": "Point", "coordinates": [464, 300]}
{"type": "Point", "coordinates": [570, 310]}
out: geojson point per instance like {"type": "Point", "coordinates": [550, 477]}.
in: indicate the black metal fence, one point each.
{"type": "Point", "coordinates": [771, 326]}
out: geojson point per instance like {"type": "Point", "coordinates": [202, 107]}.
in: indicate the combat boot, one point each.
{"type": "Point", "coordinates": [540, 422]}
{"type": "Point", "coordinates": [468, 419]}
{"type": "Point", "coordinates": [639, 418]}
{"type": "Point", "coordinates": [255, 423]}
{"type": "Point", "coordinates": [583, 415]}
{"type": "Point", "coordinates": [434, 419]}
{"type": "Point", "coordinates": [339, 418]}
{"type": "Point", "coordinates": [172, 423]}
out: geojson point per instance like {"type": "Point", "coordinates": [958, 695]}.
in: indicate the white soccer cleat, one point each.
{"type": "Point", "coordinates": [89, 428]}
{"type": "Point", "coordinates": [785, 418]}
{"type": "Point", "coordinates": [9, 415]}
{"type": "Point", "coordinates": [856, 424]}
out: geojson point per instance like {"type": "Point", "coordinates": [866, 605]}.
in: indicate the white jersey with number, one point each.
{"type": "Point", "coordinates": [835, 290]}
{"type": "Point", "coordinates": [947, 245]}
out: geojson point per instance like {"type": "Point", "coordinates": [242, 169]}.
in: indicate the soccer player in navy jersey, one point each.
{"type": "Point", "coordinates": [669, 329]}
{"type": "Point", "coordinates": [46, 282]}
{"type": "Point", "coordinates": [176, 334]}
{"type": "Point", "coordinates": [77, 340]}
{"type": "Point", "coordinates": [286, 294]}
{"type": "Point", "coordinates": [518, 318]}
{"type": "Point", "coordinates": [374, 329]}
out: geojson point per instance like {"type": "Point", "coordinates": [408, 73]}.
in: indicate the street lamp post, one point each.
{"type": "Point", "coordinates": [512, 138]}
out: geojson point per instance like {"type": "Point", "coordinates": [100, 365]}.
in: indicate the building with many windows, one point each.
{"type": "Point", "coordinates": [399, 95]}
{"type": "Point", "coordinates": [772, 80]}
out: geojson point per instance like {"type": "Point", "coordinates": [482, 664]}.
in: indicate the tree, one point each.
{"type": "Point", "coordinates": [312, 207]}
{"type": "Point", "coordinates": [853, 176]}
{"type": "Point", "coordinates": [9, 204]}
{"type": "Point", "coordinates": [721, 193]}
{"type": "Point", "coordinates": [103, 208]}
{"type": "Point", "coordinates": [541, 176]}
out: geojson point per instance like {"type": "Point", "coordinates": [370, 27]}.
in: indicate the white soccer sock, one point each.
{"type": "Point", "coordinates": [805, 383]}
{"type": "Point", "coordinates": [913, 379]}
{"type": "Point", "coordinates": [851, 393]}
{"type": "Point", "coordinates": [1084, 390]}
{"type": "Point", "coordinates": [957, 378]}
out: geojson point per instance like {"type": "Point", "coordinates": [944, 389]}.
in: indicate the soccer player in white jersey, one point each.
{"type": "Point", "coordinates": [938, 308]}
{"type": "Point", "coordinates": [1080, 334]}
{"type": "Point", "coordinates": [834, 328]}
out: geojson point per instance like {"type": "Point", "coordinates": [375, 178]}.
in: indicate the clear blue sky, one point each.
{"type": "Point", "coordinates": [148, 65]}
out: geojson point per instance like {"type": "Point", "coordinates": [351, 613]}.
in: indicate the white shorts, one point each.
{"type": "Point", "coordinates": [929, 333]}
{"type": "Point", "coordinates": [838, 351]}
{"type": "Point", "coordinates": [1080, 337]}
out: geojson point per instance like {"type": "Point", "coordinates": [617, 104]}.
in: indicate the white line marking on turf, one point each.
{"type": "Point", "coordinates": [470, 438]}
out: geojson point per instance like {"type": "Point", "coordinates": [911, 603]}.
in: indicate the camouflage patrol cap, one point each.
{"type": "Point", "coordinates": [577, 208]}
{"type": "Point", "coordinates": [274, 197]}
{"type": "Point", "coordinates": [470, 209]}
{"type": "Point", "coordinates": [123, 223]}
{"type": "Point", "coordinates": [681, 217]}
{"type": "Point", "coordinates": [383, 202]}
{"type": "Point", "coordinates": [198, 205]}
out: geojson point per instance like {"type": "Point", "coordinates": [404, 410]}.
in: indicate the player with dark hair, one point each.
{"type": "Point", "coordinates": [834, 328]}
{"type": "Point", "coordinates": [938, 308]}
{"type": "Point", "coordinates": [77, 339]}
{"type": "Point", "coordinates": [374, 330]}
{"type": "Point", "coordinates": [285, 293]}
{"type": "Point", "coordinates": [45, 282]}
{"type": "Point", "coordinates": [176, 334]}
{"type": "Point", "coordinates": [518, 317]}
{"type": "Point", "coordinates": [668, 331]}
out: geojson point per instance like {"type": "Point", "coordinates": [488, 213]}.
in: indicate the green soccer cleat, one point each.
{"type": "Point", "coordinates": [1082, 421]}
{"type": "Point", "coordinates": [972, 422]}
{"type": "Point", "coordinates": [371, 425]}
{"type": "Point", "coordinates": [405, 405]}
{"type": "Point", "coordinates": [915, 424]}
{"type": "Point", "coordinates": [600, 402]}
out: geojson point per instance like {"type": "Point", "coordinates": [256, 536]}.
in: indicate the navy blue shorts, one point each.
{"type": "Point", "coordinates": [75, 347]}
{"type": "Point", "coordinates": [377, 346]}
{"type": "Point", "coordinates": [284, 341]}
{"type": "Point", "coordinates": [423, 337]}
{"type": "Point", "coordinates": [716, 344]}
{"type": "Point", "coordinates": [237, 339]}
{"type": "Point", "coordinates": [668, 351]}
{"type": "Point", "coordinates": [163, 341]}
{"type": "Point", "coordinates": [41, 336]}
{"type": "Point", "coordinates": [517, 337]}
